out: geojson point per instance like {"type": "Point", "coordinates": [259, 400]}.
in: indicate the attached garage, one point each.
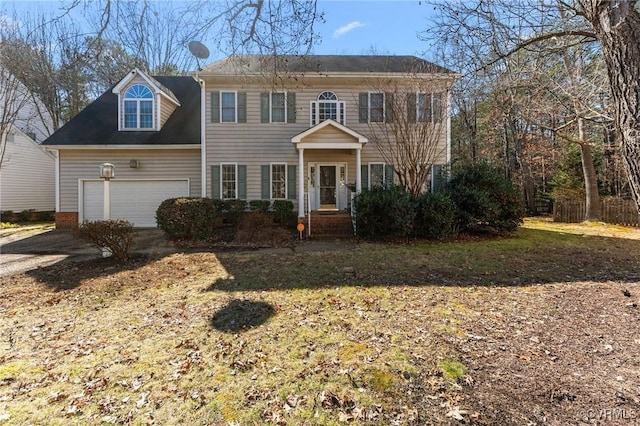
{"type": "Point", "coordinates": [133, 200]}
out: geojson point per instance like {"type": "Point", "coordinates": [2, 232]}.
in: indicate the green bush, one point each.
{"type": "Point", "coordinates": [436, 216]}
{"type": "Point", "coordinates": [384, 213]}
{"type": "Point", "coordinates": [188, 218]}
{"type": "Point", "coordinates": [486, 200]}
{"type": "Point", "coordinates": [25, 215]}
{"type": "Point", "coordinates": [231, 210]}
{"type": "Point", "coordinates": [48, 216]}
{"type": "Point", "coordinates": [283, 211]}
{"type": "Point", "coordinates": [114, 235]}
{"type": "Point", "coordinates": [259, 205]}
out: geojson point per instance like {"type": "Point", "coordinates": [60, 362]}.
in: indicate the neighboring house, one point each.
{"type": "Point", "coordinates": [27, 179]}
{"type": "Point", "coordinates": [298, 131]}
{"type": "Point", "coordinates": [26, 175]}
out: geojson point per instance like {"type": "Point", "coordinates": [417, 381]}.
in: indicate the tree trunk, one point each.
{"type": "Point", "coordinates": [617, 27]}
{"type": "Point", "coordinates": [590, 183]}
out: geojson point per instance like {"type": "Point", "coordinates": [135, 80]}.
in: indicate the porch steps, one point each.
{"type": "Point", "coordinates": [328, 226]}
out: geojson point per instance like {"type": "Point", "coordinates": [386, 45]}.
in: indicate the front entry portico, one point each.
{"type": "Point", "coordinates": [326, 180]}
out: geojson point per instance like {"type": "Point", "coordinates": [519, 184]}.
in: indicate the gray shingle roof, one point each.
{"type": "Point", "coordinates": [243, 64]}
{"type": "Point", "coordinates": [97, 124]}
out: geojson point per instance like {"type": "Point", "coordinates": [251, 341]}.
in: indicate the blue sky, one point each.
{"type": "Point", "coordinates": [357, 27]}
{"type": "Point", "coordinates": [351, 27]}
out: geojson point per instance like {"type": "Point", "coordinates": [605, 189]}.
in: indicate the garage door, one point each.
{"type": "Point", "coordinates": [132, 200]}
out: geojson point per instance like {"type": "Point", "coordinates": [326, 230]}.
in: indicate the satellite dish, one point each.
{"type": "Point", "coordinates": [198, 50]}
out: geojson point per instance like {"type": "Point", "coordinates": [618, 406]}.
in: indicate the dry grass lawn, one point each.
{"type": "Point", "coordinates": [539, 328]}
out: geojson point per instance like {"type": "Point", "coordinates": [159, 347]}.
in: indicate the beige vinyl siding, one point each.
{"type": "Point", "coordinates": [166, 109]}
{"type": "Point", "coordinates": [26, 176]}
{"type": "Point", "coordinates": [153, 164]}
{"type": "Point", "coordinates": [254, 143]}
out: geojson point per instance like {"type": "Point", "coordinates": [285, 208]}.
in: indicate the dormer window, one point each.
{"type": "Point", "coordinates": [138, 107]}
{"type": "Point", "coordinates": [326, 107]}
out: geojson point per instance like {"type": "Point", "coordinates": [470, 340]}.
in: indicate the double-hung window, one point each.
{"type": "Point", "coordinates": [277, 107]}
{"type": "Point", "coordinates": [375, 107]}
{"type": "Point", "coordinates": [376, 175]}
{"type": "Point", "coordinates": [229, 181]}
{"type": "Point", "coordinates": [138, 107]}
{"type": "Point", "coordinates": [228, 107]}
{"type": "Point", "coordinates": [326, 107]}
{"type": "Point", "coordinates": [278, 181]}
{"type": "Point", "coordinates": [429, 107]}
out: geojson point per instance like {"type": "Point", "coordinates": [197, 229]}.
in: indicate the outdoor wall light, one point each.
{"type": "Point", "coordinates": [107, 171]}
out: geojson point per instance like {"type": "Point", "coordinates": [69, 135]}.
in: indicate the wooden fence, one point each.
{"type": "Point", "coordinates": [614, 210]}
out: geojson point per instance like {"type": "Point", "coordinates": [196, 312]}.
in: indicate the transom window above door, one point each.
{"type": "Point", "coordinates": [327, 106]}
{"type": "Point", "coordinates": [138, 107]}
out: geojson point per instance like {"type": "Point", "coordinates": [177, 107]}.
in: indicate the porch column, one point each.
{"type": "Point", "coordinates": [358, 171]}
{"type": "Point", "coordinates": [300, 182]}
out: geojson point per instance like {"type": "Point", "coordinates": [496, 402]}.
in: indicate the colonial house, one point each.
{"type": "Point", "coordinates": [246, 127]}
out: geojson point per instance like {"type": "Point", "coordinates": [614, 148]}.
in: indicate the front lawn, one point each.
{"type": "Point", "coordinates": [538, 328]}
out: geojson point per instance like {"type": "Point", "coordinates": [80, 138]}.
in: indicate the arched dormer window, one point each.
{"type": "Point", "coordinates": [138, 107]}
{"type": "Point", "coordinates": [326, 107]}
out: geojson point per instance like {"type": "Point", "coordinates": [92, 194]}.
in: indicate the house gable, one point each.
{"type": "Point", "coordinates": [144, 104]}
{"type": "Point", "coordinates": [329, 135]}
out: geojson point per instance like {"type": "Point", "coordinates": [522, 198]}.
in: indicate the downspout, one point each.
{"type": "Point", "coordinates": [57, 178]}
{"type": "Point", "coordinates": [448, 130]}
{"type": "Point", "coordinates": [203, 138]}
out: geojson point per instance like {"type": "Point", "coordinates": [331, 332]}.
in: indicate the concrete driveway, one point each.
{"type": "Point", "coordinates": [24, 249]}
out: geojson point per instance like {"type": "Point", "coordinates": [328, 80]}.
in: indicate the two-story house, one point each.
{"type": "Point", "coordinates": [247, 127]}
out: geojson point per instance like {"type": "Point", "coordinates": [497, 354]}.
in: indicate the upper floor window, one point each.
{"type": "Point", "coordinates": [375, 107]}
{"type": "Point", "coordinates": [138, 107]}
{"type": "Point", "coordinates": [228, 107]}
{"type": "Point", "coordinates": [429, 107]}
{"type": "Point", "coordinates": [326, 107]}
{"type": "Point", "coordinates": [278, 107]}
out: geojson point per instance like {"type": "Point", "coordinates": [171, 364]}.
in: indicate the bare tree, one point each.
{"type": "Point", "coordinates": [409, 129]}
{"type": "Point", "coordinates": [14, 96]}
{"type": "Point", "coordinates": [558, 48]}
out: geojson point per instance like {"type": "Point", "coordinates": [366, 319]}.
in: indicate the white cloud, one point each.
{"type": "Point", "coordinates": [346, 28]}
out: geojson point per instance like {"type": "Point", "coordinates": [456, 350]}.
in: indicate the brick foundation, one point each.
{"type": "Point", "coordinates": [66, 220]}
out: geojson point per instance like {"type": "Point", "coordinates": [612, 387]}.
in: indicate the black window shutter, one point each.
{"type": "Point", "coordinates": [215, 182]}
{"type": "Point", "coordinates": [292, 178]}
{"type": "Point", "coordinates": [363, 107]}
{"type": "Point", "coordinates": [364, 175]}
{"type": "Point", "coordinates": [291, 107]}
{"type": "Point", "coordinates": [242, 107]}
{"type": "Point", "coordinates": [411, 108]}
{"type": "Point", "coordinates": [215, 107]}
{"type": "Point", "coordinates": [388, 107]}
{"type": "Point", "coordinates": [264, 107]}
{"type": "Point", "coordinates": [242, 182]}
{"type": "Point", "coordinates": [265, 179]}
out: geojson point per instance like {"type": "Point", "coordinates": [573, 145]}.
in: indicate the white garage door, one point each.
{"type": "Point", "coordinates": [133, 200]}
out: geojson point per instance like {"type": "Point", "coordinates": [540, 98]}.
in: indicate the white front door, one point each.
{"type": "Point", "coordinates": [327, 186]}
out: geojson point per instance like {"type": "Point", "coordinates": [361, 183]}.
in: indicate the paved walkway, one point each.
{"type": "Point", "coordinates": [26, 248]}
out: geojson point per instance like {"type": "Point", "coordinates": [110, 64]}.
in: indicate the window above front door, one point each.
{"type": "Point", "coordinates": [327, 107]}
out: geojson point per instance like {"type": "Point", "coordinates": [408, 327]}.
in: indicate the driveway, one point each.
{"type": "Point", "coordinates": [24, 249]}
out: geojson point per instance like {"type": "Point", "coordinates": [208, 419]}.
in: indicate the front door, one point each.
{"type": "Point", "coordinates": [327, 183]}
